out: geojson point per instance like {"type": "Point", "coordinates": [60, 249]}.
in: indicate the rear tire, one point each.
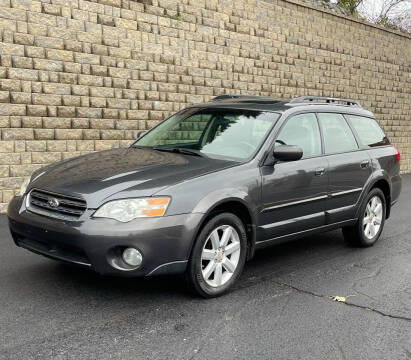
{"type": "Point", "coordinates": [218, 256]}
{"type": "Point", "coordinates": [369, 226]}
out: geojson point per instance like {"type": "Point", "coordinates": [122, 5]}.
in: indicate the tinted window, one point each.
{"type": "Point", "coordinates": [302, 130]}
{"type": "Point", "coordinates": [185, 131]}
{"type": "Point", "coordinates": [338, 136]}
{"type": "Point", "coordinates": [223, 133]}
{"type": "Point", "coordinates": [368, 130]}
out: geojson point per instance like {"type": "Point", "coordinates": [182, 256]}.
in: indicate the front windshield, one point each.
{"type": "Point", "coordinates": [221, 133]}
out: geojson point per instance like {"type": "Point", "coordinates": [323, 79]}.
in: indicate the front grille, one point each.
{"type": "Point", "coordinates": [56, 205]}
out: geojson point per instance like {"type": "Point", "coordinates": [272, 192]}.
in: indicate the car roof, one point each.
{"type": "Point", "coordinates": [300, 104]}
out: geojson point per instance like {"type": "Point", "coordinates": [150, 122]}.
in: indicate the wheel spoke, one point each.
{"type": "Point", "coordinates": [209, 269]}
{"type": "Point", "coordinates": [374, 203]}
{"type": "Point", "coordinates": [377, 220]}
{"type": "Point", "coordinates": [228, 265]}
{"type": "Point", "coordinates": [378, 209]}
{"type": "Point", "coordinates": [208, 254]}
{"type": "Point", "coordinates": [232, 248]}
{"type": "Point", "coordinates": [368, 209]}
{"type": "Point", "coordinates": [226, 236]}
{"type": "Point", "coordinates": [215, 239]}
{"type": "Point", "coordinates": [366, 219]}
{"type": "Point", "coordinates": [367, 229]}
{"type": "Point", "coordinates": [372, 230]}
{"type": "Point", "coordinates": [218, 274]}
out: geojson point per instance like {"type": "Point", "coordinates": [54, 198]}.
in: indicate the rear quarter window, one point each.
{"type": "Point", "coordinates": [368, 131]}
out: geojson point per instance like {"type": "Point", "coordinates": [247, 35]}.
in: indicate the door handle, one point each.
{"type": "Point", "coordinates": [365, 164]}
{"type": "Point", "coordinates": [319, 171]}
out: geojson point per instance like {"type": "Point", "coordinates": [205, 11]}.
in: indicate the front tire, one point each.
{"type": "Point", "coordinates": [218, 256]}
{"type": "Point", "coordinates": [370, 223]}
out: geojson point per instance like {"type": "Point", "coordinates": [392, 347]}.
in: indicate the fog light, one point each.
{"type": "Point", "coordinates": [132, 257]}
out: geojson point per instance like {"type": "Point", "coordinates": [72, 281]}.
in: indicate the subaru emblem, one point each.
{"type": "Point", "coordinates": [53, 202]}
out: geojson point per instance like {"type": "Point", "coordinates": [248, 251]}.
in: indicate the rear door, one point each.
{"type": "Point", "coordinates": [385, 158]}
{"type": "Point", "coordinates": [294, 192]}
{"type": "Point", "coordinates": [348, 167]}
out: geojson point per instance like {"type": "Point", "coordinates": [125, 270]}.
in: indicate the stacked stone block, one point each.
{"type": "Point", "coordinates": [78, 76]}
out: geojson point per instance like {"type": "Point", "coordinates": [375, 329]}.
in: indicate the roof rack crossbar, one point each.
{"type": "Point", "coordinates": [235, 96]}
{"type": "Point", "coordinates": [322, 99]}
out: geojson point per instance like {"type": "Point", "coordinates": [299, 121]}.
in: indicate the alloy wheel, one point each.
{"type": "Point", "coordinates": [220, 255]}
{"type": "Point", "coordinates": [372, 217]}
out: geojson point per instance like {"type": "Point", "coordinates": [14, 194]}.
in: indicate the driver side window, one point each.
{"type": "Point", "coordinates": [302, 130]}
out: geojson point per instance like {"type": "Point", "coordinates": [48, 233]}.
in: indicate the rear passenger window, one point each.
{"type": "Point", "coordinates": [338, 136]}
{"type": "Point", "coordinates": [302, 130]}
{"type": "Point", "coordinates": [368, 131]}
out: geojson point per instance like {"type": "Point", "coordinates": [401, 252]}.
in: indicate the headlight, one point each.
{"type": "Point", "coordinates": [128, 209]}
{"type": "Point", "coordinates": [23, 187]}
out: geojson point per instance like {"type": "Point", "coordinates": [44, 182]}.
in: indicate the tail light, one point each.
{"type": "Point", "coordinates": [397, 154]}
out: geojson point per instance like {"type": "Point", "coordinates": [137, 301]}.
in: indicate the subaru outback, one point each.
{"type": "Point", "coordinates": [207, 187]}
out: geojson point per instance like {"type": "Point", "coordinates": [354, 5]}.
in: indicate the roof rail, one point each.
{"type": "Point", "coordinates": [237, 96]}
{"type": "Point", "coordinates": [324, 100]}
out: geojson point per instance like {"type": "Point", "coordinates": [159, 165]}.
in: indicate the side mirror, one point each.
{"type": "Point", "coordinates": [287, 153]}
{"type": "Point", "coordinates": [141, 133]}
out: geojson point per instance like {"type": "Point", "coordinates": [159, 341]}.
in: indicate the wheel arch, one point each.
{"type": "Point", "coordinates": [241, 209]}
{"type": "Point", "coordinates": [384, 186]}
{"type": "Point", "coordinates": [382, 182]}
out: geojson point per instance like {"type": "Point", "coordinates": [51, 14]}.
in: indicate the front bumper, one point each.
{"type": "Point", "coordinates": [165, 242]}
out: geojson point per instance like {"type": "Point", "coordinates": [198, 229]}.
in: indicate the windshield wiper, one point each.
{"type": "Point", "coordinates": [181, 151]}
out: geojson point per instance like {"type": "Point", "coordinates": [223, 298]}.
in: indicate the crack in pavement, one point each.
{"type": "Point", "coordinates": [252, 281]}
{"type": "Point", "coordinates": [380, 312]}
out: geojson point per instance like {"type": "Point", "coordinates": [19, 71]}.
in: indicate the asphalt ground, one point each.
{"type": "Point", "coordinates": [282, 308]}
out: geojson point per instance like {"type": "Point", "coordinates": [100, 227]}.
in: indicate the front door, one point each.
{"type": "Point", "coordinates": [294, 193]}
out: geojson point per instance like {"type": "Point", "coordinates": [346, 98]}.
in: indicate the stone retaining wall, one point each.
{"type": "Point", "coordinates": [79, 76]}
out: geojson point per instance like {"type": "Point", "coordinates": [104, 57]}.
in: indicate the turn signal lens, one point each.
{"type": "Point", "coordinates": [154, 212]}
{"type": "Point", "coordinates": [158, 201]}
{"type": "Point", "coordinates": [125, 210]}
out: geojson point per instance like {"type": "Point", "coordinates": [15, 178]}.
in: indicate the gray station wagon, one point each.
{"type": "Point", "coordinates": [207, 187]}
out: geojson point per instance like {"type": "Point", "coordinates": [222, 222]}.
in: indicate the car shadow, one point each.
{"type": "Point", "coordinates": [318, 245]}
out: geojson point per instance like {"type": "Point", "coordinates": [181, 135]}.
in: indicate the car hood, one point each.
{"type": "Point", "coordinates": [121, 173]}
